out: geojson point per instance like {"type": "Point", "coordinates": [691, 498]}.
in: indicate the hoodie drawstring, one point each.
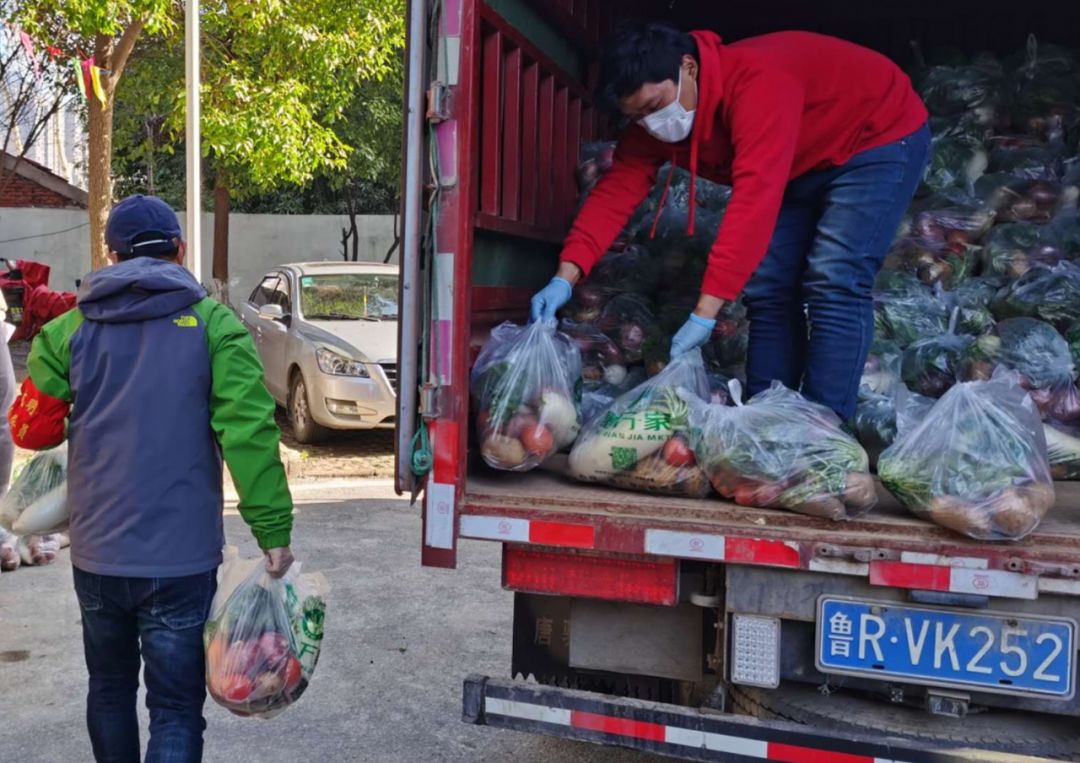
{"type": "Point", "coordinates": [663, 198]}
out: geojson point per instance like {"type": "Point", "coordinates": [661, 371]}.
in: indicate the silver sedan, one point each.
{"type": "Point", "coordinates": [327, 336]}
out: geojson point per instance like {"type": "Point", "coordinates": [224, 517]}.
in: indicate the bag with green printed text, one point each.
{"type": "Point", "coordinates": [636, 443]}
{"type": "Point", "coordinates": [263, 637]}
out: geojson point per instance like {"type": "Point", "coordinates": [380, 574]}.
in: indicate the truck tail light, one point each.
{"type": "Point", "coordinates": [755, 651]}
{"type": "Point", "coordinates": [594, 577]}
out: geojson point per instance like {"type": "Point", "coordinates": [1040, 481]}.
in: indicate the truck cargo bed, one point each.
{"type": "Point", "coordinates": [618, 514]}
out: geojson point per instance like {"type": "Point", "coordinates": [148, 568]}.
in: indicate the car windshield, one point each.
{"type": "Point", "coordinates": [349, 296]}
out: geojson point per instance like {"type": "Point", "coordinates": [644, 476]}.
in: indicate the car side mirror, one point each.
{"type": "Point", "coordinates": [272, 312]}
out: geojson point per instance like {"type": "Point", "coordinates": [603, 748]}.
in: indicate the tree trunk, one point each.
{"type": "Point", "coordinates": [220, 268]}
{"type": "Point", "coordinates": [111, 56]}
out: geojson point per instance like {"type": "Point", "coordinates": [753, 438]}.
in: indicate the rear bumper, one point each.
{"type": "Point", "coordinates": [686, 733]}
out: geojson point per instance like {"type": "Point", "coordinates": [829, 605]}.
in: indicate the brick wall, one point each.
{"type": "Point", "coordinates": [20, 192]}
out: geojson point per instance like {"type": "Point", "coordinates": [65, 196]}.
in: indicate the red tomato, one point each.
{"type": "Point", "coordinates": [236, 688]}
{"type": "Point", "coordinates": [538, 440]}
{"type": "Point", "coordinates": [520, 424]}
{"type": "Point", "coordinates": [291, 673]}
{"type": "Point", "coordinates": [677, 452]}
{"type": "Point", "coordinates": [746, 494]}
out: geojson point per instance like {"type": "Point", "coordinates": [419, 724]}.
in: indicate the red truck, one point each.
{"type": "Point", "coordinates": [695, 629]}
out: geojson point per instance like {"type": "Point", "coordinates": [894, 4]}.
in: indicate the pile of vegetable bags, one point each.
{"type": "Point", "coordinates": [263, 637]}
{"type": "Point", "coordinates": [993, 237]}
{"type": "Point", "coordinates": [526, 389]}
{"type": "Point", "coordinates": [637, 442]}
{"type": "Point", "coordinates": [33, 513]}
{"type": "Point", "coordinates": [976, 463]}
{"type": "Point", "coordinates": [781, 450]}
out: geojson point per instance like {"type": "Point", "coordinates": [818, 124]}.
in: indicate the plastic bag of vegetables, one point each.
{"type": "Point", "coordinates": [9, 554]}
{"type": "Point", "coordinates": [930, 366]}
{"type": "Point", "coordinates": [1040, 355]}
{"type": "Point", "coordinates": [878, 417]}
{"type": "Point", "coordinates": [1072, 336]}
{"type": "Point", "coordinates": [976, 464]}
{"type": "Point", "coordinates": [906, 310]}
{"type": "Point", "coordinates": [1022, 199]}
{"type": "Point", "coordinates": [628, 319]}
{"type": "Point", "coordinates": [971, 299]}
{"type": "Point", "coordinates": [881, 371]}
{"type": "Point", "coordinates": [950, 90]}
{"type": "Point", "coordinates": [263, 637]}
{"type": "Point", "coordinates": [1063, 450]}
{"type": "Point", "coordinates": [780, 450]}
{"type": "Point", "coordinates": [36, 504]}
{"type": "Point", "coordinates": [637, 444]}
{"type": "Point", "coordinates": [526, 385]}
{"type": "Point", "coordinates": [944, 221]}
{"type": "Point", "coordinates": [1050, 294]}
{"type": "Point", "coordinates": [1011, 250]}
{"type": "Point", "coordinates": [38, 550]}
{"type": "Point", "coordinates": [956, 163]}
{"type": "Point", "coordinates": [602, 362]}
{"type": "Point", "coordinates": [1027, 157]}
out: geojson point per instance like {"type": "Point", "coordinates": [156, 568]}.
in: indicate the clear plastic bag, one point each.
{"type": "Point", "coordinates": [944, 221]}
{"type": "Point", "coordinates": [977, 463]}
{"type": "Point", "coordinates": [1021, 199]}
{"type": "Point", "coordinates": [629, 320]}
{"type": "Point", "coordinates": [971, 300]}
{"type": "Point", "coordinates": [933, 263]}
{"type": "Point", "coordinates": [602, 362]}
{"type": "Point", "coordinates": [38, 550]}
{"type": "Point", "coordinates": [1012, 249]}
{"type": "Point", "coordinates": [1072, 336]}
{"type": "Point", "coordinates": [263, 637]}
{"type": "Point", "coordinates": [9, 553]}
{"type": "Point", "coordinates": [780, 450]}
{"type": "Point", "coordinates": [952, 90]}
{"type": "Point", "coordinates": [956, 163]}
{"type": "Point", "coordinates": [637, 442]}
{"type": "Point", "coordinates": [1027, 157]}
{"type": "Point", "coordinates": [527, 385]}
{"type": "Point", "coordinates": [1050, 294]}
{"type": "Point", "coordinates": [36, 504]}
{"type": "Point", "coordinates": [906, 310]}
{"type": "Point", "coordinates": [931, 366]}
{"type": "Point", "coordinates": [878, 416]}
{"type": "Point", "coordinates": [1063, 450]}
{"type": "Point", "coordinates": [1030, 347]}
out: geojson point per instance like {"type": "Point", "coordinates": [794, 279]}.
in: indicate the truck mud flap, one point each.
{"type": "Point", "coordinates": [687, 733]}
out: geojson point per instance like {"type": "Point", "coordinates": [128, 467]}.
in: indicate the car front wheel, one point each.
{"type": "Point", "coordinates": [304, 427]}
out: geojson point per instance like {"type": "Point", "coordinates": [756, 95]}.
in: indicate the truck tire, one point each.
{"type": "Point", "coordinates": [1055, 737]}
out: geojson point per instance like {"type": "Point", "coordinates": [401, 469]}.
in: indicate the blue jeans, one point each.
{"type": "Point", "coordinates": [161, 620]}
{"type": "Point", "coordinates": [809, 301]}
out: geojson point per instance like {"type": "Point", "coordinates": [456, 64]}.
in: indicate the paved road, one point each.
{"type": "Point", "coordinates": [399, 640]}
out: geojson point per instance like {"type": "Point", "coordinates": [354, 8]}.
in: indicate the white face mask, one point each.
{"type": "Point", "coordinates": [671, 123]}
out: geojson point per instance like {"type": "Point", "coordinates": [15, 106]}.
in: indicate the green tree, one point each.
{"type": "Point", "coordinates": [279, 76]}
{"type": "Point", "coordinates": [278, 81]}
{"type": "Point", "coordinates": [107, 30]}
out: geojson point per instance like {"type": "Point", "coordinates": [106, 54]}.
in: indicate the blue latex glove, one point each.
{"type": "Point", "coordinates": [549, 299]}
{"type": "Point", "coordinates": [694, 333]}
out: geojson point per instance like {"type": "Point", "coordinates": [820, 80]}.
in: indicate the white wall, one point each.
{"type": "Point", "coordinates": [60, 238]}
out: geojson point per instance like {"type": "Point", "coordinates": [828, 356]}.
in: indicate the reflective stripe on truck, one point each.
{"type": "Point", "coordinates": [687, 733]}
{"type": "Point", "coordinates": [968, 575]}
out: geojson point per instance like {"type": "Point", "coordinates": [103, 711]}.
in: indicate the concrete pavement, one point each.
{"type": "Point", "coordinates": [399, 640]}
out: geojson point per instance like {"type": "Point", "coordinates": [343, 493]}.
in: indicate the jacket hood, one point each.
{"type": "Point", "coordinates": [138, 290]}
{"type": "Point", "coordinates": [710, 88]}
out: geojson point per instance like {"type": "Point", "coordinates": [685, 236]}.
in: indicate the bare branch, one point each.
{"type": "Point", "coordinates": [122, 51]}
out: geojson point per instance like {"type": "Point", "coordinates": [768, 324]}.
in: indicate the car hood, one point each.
{"type": "Point", "coordinates": [369, 341]}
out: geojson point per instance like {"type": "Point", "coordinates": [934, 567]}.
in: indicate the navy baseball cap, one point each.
{"type": "Point", "coordinates": [142, 226]}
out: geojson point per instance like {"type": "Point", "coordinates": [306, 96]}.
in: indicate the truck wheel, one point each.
{"type": "Point", "coordinates": [1055, 737]}
{"type": "Point", "coordinates": [304, 427]}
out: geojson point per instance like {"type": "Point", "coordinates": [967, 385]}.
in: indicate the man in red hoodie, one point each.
{"type": "Point", "coordinates": [823, 142]}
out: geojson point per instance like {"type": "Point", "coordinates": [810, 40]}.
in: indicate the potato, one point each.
{"type": "Point", "coordinates": [824, 506]}
{"type": "Point", "coordinates": [503, 452]}
{"type": "Point", "coordinates": [1017, 511]}
{"type": "Point", "coordinates": [860, 492]}
{"type": "Point", "coordinates": [959, 515]}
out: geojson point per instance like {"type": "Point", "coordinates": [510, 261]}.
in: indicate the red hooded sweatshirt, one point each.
{"type": "Point", "coordinates": [770, 109]}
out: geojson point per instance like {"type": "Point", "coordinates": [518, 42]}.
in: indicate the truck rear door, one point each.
{"type": "Point", "coordinates": [494, 123]}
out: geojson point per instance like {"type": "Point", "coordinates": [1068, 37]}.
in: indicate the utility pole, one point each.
{"type": "Point", "coordinates": [192, 142]}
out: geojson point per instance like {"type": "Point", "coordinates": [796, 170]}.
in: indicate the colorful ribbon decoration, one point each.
{"type": "Point", "coordinates": [28, 46]}
{"type": "Point", "coordinates": [95, 79]}
{"type": "Point", "coordinates": [79, 76]}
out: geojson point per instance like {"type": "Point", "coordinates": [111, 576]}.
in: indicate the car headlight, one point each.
{"type": "Point", "coordinates": [336, 364]}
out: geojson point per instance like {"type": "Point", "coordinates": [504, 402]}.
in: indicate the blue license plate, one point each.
{"type": "Point", "coordinates": [1001, 653]}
